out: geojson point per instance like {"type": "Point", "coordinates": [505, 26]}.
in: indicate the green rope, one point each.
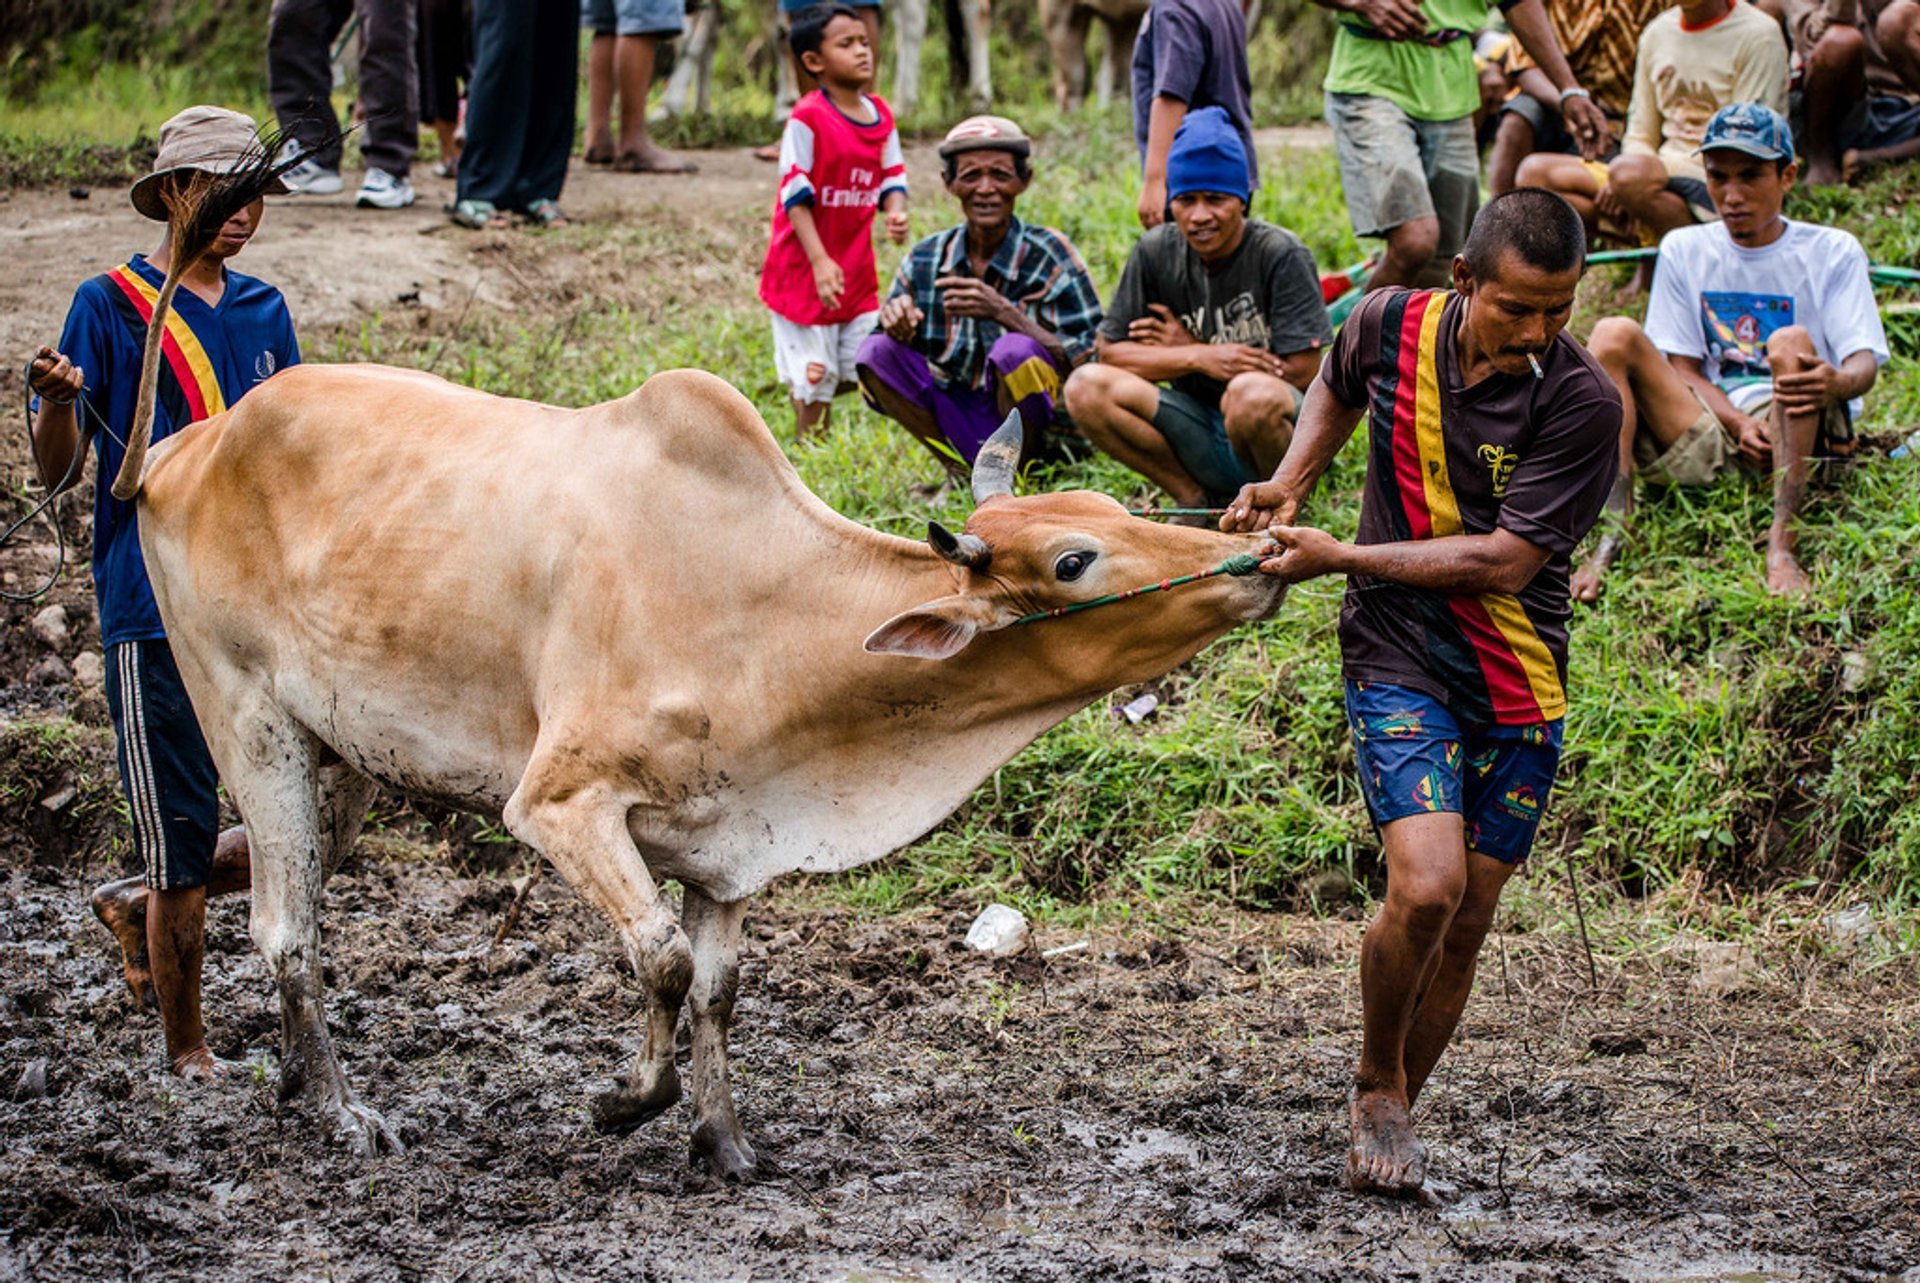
{"type": "Point", "coordinates": [1243, 564]}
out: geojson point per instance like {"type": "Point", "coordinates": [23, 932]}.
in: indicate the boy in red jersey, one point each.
{"type": "Point", "coordinates": [839, 160]}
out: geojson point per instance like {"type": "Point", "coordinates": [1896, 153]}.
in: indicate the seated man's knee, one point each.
{"type": "Point", "coordinates": [1253, 401]}
{"type": "Point", "coordinates": [1010, 351]}
{"type": "Point", "coordinates": [1899, 23]}
{"type": "Point", "coordinates": [1790, 347]}
{"type": "Point", "coordinates": [1089, 389]}
{"type": "Point", "coordinates": [1552, 171]}
{"type": "Point", "coordinates": [1614, 338]}
{"type": "Point", "coordinates": [1841, 49]}
{"type": "Point", "coordinates": [1636, 177]}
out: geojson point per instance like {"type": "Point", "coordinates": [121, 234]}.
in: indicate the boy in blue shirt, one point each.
{"type": "Point", "coordinates": [227, 333]}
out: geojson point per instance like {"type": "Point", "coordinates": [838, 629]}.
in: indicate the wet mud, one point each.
{"type": "Point", "coordinates": [1166, 1102]}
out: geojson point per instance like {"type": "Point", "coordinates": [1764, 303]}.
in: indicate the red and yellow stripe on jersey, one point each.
{"type": "Point", "coordinates": [194, 392]}
{"type": "Point", "coordinates": [1521, 678]}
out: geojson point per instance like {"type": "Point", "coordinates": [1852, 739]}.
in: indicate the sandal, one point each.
{"type": "Point", "coordinates": [546, 213]}
{"type": "Point", "coordinates": [478, 215]}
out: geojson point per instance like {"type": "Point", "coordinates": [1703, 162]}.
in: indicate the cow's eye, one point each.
{"type": "Point", "coordinates": [1072, 565]}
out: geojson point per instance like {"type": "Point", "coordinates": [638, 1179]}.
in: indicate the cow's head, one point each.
{"type": "Point", "coordinates": [1022, 555]}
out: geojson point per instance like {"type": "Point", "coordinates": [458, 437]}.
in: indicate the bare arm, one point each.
{"type": "Point", "coordinates": [1324, 425]}
{"type": "Point", "coordinates": [58, 445]}
{"type": "Point", "coordinates": [828, 280]}
{"type": "Point", "coordinates": [1461, 565]}
{"type": "Point", "coordinates": [1586, 122]}
{"type": "Point", "coordinates": [1159, 362]}
{"type": "Point", "coordinates": [1163, 119]}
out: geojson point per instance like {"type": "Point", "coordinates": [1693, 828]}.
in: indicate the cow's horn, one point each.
{"type": "Point", "coordinates": [966, 550]}
{"type": "Point", "coordinates": [999, 460]}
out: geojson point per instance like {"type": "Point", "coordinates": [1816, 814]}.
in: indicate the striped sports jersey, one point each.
{"type": "Point", "coordinates": [1536, 457]}
{"type": "Point", "coordinates": [842, 170]}
{"type": "Point", "coordinates": [211, 356]}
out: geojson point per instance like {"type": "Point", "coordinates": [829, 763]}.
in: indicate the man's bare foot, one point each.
{"type": "Point", "coordinates": [1586, 585]}
{"type": "Point", "coordinates": [770, 152]}
{"type": "Point", "coordinates": [1825, 173]}
{"type": "Point", "coordinates": [649, 159]}
{"type": "Point", "coordinates": [1385, 1157]}
{"type": "Point", "coordinates": [122, 909]}
{"type": "Point", "coordinates": [201, 1066]}
{"type": "Point", "coordinates": [1785, 578]}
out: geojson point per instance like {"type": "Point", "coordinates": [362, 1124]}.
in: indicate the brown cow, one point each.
{"type": "Point", "coordinates": [634, 632]}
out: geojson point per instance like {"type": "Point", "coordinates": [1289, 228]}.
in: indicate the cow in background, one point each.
{"type": "Point", "coordinates": [632, 631]}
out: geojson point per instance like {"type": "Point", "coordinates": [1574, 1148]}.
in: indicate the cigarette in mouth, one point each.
{"type": "Point", "coordinates": [1534, 361]}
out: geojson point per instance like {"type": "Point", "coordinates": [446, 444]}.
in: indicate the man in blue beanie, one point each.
{"type": "Point", "coordinates": [1213, 335]}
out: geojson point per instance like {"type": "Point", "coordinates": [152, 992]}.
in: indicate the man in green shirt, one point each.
{"type": "Point", "coordinates": [1401, 92]}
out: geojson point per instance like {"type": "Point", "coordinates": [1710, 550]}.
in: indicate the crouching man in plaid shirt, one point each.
{"type": "Point", "coordinates": [983, 318]}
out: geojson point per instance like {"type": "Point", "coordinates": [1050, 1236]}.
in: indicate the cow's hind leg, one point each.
{"type": "Point", "coordinates": [582, 829]}
{"type": "Point", "coordinates": [270, 769]}
{"type": "Point", "coordinates": [714, 929]}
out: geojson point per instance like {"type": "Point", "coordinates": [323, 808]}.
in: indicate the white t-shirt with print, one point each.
{"type": "Point", "coordinates": [1717, 302]}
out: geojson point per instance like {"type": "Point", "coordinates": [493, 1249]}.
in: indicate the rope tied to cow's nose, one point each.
{"type": "Point", "coordinates": [1238, 566]}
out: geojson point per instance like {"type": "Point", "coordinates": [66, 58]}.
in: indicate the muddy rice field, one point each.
{"type": "Point", "coordinates": [1163, 1103]}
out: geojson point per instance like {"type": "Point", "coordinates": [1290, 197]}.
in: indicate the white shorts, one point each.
{"type": "Point", "coordinates": [814, 360]}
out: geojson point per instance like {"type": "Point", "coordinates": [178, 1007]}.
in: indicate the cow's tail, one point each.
{"type": "Point", "coordinates": [198, 206]}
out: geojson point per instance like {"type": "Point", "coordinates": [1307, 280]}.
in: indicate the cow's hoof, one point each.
{"type": "Point", "coordinates": [364, 1131]}
{"type": "Point", "coordinates": [727, 1156]}
{"type": "Point", "coordinates": [626, 1107]}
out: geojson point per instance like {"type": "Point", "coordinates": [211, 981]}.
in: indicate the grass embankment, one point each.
{"type": "Point", "coordinates": [1714, 731]}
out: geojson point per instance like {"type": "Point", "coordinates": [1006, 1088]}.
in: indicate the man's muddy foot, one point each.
{"type": "Point", "coordinates": [1785, 578]}
{"type": "Point", "coordinates": [625, 1106]}
{"type": "Point", "coordinates": [122, 909]}
{"type": "Point", "coordinates": [1586, 584]}
{"type": "Point", "coordinates": [1384, 1158]}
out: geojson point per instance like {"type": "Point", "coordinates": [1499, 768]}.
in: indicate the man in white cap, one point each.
{"type": "Point", "coordinates": [985, 317]}
{"type": "Point", "coordinates": [226, 333]}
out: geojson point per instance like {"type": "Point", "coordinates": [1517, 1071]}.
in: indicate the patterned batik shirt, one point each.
{"type": "Point", "coordinates": [1036, 267]}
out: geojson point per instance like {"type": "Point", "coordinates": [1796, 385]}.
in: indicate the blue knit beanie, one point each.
{"type": "Point", "coordinates": [1208, 156]}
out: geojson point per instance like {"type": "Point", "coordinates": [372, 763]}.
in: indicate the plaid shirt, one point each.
{"type": "Point", "coordinates": [1036, 267]}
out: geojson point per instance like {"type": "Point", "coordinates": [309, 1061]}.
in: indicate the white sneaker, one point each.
{"type": "Point", "coordinates": [382, 190]}
{"type": "Point", "coordinates": [309, 179]}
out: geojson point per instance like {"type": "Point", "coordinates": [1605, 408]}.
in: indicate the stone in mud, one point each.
{"type": "Point", "coordinates": [90, 670]}
{"type": "Point", "coordinates": [50, 626]}
{"type": "Point", "coordinates": [51, 671]}
{"type": "Point", "coordinates": [32, 1083]}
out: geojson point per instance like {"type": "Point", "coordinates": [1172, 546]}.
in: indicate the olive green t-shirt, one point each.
{"type": "Point", "coordinates": [1428, 82]}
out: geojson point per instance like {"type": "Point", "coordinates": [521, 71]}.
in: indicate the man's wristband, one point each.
{"type": "Point", "coordinates": [1573, 91]}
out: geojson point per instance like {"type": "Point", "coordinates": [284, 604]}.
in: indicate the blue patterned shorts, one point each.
{"type": "Point", "coordinates": [1415, 758]}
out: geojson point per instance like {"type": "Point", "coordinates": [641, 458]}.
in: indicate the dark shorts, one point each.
{"type": "Point", "coordinates": [1197, 433]}
{"type": "Point", "coordinates": [1415, 758]}
{"type": "Point", "coordinates": [166, 773]}
{"type": "Point", "coordinates": [1549, 127]}
{"type": "Point", "coordinates": [1880, 120]}
{"type": "Point", "coordinates": [1699, 200]}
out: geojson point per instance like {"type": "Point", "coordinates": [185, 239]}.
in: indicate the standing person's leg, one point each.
{"type": "Point", "coordinates": [439, 62]}
{"type": "Point", "coordinates": [1384, 178]}
{"type": "Point", "coordinates": [870, 18]}
{"type": "Point", "coordinates": [598, 17]}
{"type": "Point", "coordinates": [550, 116]}
{"type": "Point", "coordinates": [1451, 160]}
{"type": "Point", "coordinates": [171, 789]}
{"type": "Point", "coordinates": [499, 102]}
{"type": "Point", "coordinates": [1795, 437]}
{"type": "Point", "coordinates": [300, 36]}
{"type": "Point", "coordinates": [121, 906]}
{"type": "Point", "coordinates": [389, 89]}
{"type": "Point", "coordinates": [642, 25]}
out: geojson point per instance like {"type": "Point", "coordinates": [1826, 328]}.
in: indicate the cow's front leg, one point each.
{"type": "Point", "coordinates": [714, 929]}
{"type": "Point", "coordinates": [582, 829]}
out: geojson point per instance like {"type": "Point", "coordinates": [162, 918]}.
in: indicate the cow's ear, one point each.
{"type": "Point", "coordinates": [940, 629]}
